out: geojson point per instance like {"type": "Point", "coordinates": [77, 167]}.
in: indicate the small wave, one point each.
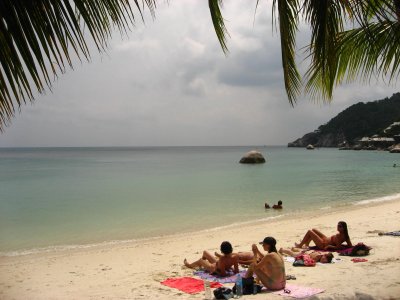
{"type": "Point", "coordinates": [326, 207]}
{"type": "Point", "coordinates": [379, 199]}
{"type": "Point", "coordinates": [236, 224]}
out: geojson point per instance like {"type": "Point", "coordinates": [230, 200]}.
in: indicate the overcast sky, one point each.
{"type": "Point", "coordinates": [169, 83]}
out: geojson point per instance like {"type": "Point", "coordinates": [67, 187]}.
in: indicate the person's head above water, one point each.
{"type": "Point", "coordinates": [269, 244]}
{"type": "Point", "coordinates": [226, 248]}
{"type": "Point", "coordinates": [279, 202]}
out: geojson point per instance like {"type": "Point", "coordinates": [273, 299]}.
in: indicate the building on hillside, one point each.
{"type": "Point", "coordinates": [376, 141]}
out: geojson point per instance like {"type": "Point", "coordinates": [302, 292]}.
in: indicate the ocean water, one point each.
{"type": "Point", "coordinates": [78, 196]}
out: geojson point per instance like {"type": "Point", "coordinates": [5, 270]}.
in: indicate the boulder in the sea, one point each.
{"type": "Point", "coordinates": [252, 157]}
{"type": "Point", "coordinates": [395, 149]}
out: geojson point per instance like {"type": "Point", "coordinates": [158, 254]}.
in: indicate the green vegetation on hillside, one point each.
{"type": "Point", "coordinates": [364, 119]}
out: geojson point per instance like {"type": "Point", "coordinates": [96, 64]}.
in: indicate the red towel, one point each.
{"type": "Point", "coordinates": [188, 284]}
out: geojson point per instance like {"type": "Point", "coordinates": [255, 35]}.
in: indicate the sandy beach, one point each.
{"type": "Point", "coordinates": [134, 270]}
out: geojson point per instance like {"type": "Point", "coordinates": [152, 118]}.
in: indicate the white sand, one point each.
{"type": "Point", "coordinates": [134, 270]}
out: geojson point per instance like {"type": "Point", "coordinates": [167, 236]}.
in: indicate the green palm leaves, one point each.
{"type": "Point", "coordinates": [350, 40]}
{"type": "Point", "coordinates": [38, 39]}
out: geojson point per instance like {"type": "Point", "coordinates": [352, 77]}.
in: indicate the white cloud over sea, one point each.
{"type": "Point", "coordinates": [169, 83]}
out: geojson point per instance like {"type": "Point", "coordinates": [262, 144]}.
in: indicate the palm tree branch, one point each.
{"type": "Point", "coordinates": [288, 20]}
{"type": "Point", "coordinates": [38, 38]}
{"type": "Point", "coordinates": [218, 23]}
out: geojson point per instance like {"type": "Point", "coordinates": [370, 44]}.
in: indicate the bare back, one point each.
{"type": "Point", "coordinates": [226, 262]}
{"type": "Point", "coordinates": [273, 268]}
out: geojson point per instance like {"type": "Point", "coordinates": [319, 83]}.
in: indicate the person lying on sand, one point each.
{"type": "Point", "coordinates": [325, 243]}
{"type": "Point", "coordinates": [244, 258]}
{"type": "Point", "coordinates": [317, 256]}
{"type": "Point", "coordinates": [214, 265]}
{"type": "Point", "coordinates": [271, 269]}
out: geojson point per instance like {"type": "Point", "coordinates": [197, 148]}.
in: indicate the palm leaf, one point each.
{"type": "Point", "coordinates": [218, 23]}
{"type": "Point", "coordinates": [369, 51]}
{"type": "Point", "coordinates": [326, 19]}
{"type": "Point", "coordinates": [38, 37]}
{"type": "Point", "coordinates": [288, 21]}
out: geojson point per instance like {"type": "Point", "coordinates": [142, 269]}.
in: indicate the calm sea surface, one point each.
{"type": "Point", "coordinates": [74, 196]}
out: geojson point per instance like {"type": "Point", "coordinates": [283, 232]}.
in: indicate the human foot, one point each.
{"type": "Point", "coordinates": [185, 262]}
{"type": "Point", "coordinates": [298, 245]}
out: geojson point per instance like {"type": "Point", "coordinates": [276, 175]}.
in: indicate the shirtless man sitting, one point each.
{"type": "Point", "coordinates": [317, 256]}
{"type": "Point", "coordinates": [271, 269]}
{"type": "Point", "coordinates": [217, 265]}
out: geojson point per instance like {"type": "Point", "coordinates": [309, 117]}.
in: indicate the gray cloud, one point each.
{"type": "Point", "coordinates": [170, 84]}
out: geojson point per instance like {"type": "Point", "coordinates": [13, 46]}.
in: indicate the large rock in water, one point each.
{"type": "Point", "coordinates": [252, 157]}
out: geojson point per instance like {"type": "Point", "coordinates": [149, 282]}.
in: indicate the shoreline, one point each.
{"type": "Point", "coordinates": [134, 270]}
{"type": "Point", "coordinates": [283, 216]}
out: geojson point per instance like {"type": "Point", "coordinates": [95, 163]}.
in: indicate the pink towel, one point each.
{"type": "Point", "coordinates": [188, 284]}
{"type": "Point", "coordinates": [298, 291]}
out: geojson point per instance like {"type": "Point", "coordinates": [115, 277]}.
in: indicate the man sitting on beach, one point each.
{"type": "Point", "coordinates": [271, 269]}
{"type": "Point", "coordinates": [317, 256]}
{"type": "Point", "coordinates": [214, 265]}
{"type": "Point", "coordinates": [279, 206]}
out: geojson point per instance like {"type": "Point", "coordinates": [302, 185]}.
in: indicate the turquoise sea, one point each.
{"type": "Point", "coordinates": [78, 196]}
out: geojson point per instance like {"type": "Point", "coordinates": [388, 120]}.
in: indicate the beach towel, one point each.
{"type": "Point", "coordinates": [356, 260]}
{"type": "Point", "coordinates": [188, 284]}
{"type": "Point", "coordinates": [343, 250]}
{"type": "Point", "coordinates": [392, 233]}
{"type": "Point", "coordinates": [231, 278]}
{"type": "Point", "coordinates": [298, 292]}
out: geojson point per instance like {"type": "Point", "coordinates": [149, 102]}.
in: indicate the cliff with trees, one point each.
{"type": "Point", "coordinates": [357, 121]}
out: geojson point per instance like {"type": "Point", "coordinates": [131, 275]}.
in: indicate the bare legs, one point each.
{"type": "Point", "coordinates": [315, 236]}
{"type": "Point", "coordinates": [207, 261]}
{"type": "Point", "coordinates": [289, 252]}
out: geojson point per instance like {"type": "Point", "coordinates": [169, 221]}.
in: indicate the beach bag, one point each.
{"type": "Point", "coordinates": [223, 293]}
{"type": "Point", "coordinates": [303, 260]}
{"type": "Point", "coordinates": [249, 286]}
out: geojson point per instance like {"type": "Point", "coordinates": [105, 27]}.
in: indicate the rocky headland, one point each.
{"type": "Point", "coordinates": [363, 126]}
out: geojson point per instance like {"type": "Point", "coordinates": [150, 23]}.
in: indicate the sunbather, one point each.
{"type": "Point", "coordinates": [317, 256]}
{"type": "Point", "coordinates": [244, 258]}
{"type": "Point", "coordinates": [325, 243]}
{"type": "Point", "coordinates": [214, 265]}
{"type": "Point", "coordinates": [271, 269]}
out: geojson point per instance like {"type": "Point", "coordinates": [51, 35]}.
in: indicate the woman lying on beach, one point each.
{"type": "Point", "coordinates": [325, 243]}
{"type": "Point", "coordinates": [271, 269]}
{"type": "Point", "coordinates": [214, 265]}
{"type": "Point", "coordinates": [317, 256]}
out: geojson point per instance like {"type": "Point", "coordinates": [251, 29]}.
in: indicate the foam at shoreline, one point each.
{"type": "Point", "coordinates": [379, 199]}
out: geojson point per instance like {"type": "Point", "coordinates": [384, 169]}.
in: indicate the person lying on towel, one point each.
{"type": "Point", "coordinates": [317, 256]}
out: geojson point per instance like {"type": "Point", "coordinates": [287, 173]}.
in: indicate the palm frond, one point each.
{"type": "Point", "coordinates": [288, 22]}
{"type": "Point", "coordinates": [218, 23]}
{"type": "Point", "coordinates": [38, 37]}
{"type": "Point", "coordinates": [326, 19]}
{"type": "Point", "coordinates": [368, 51]}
